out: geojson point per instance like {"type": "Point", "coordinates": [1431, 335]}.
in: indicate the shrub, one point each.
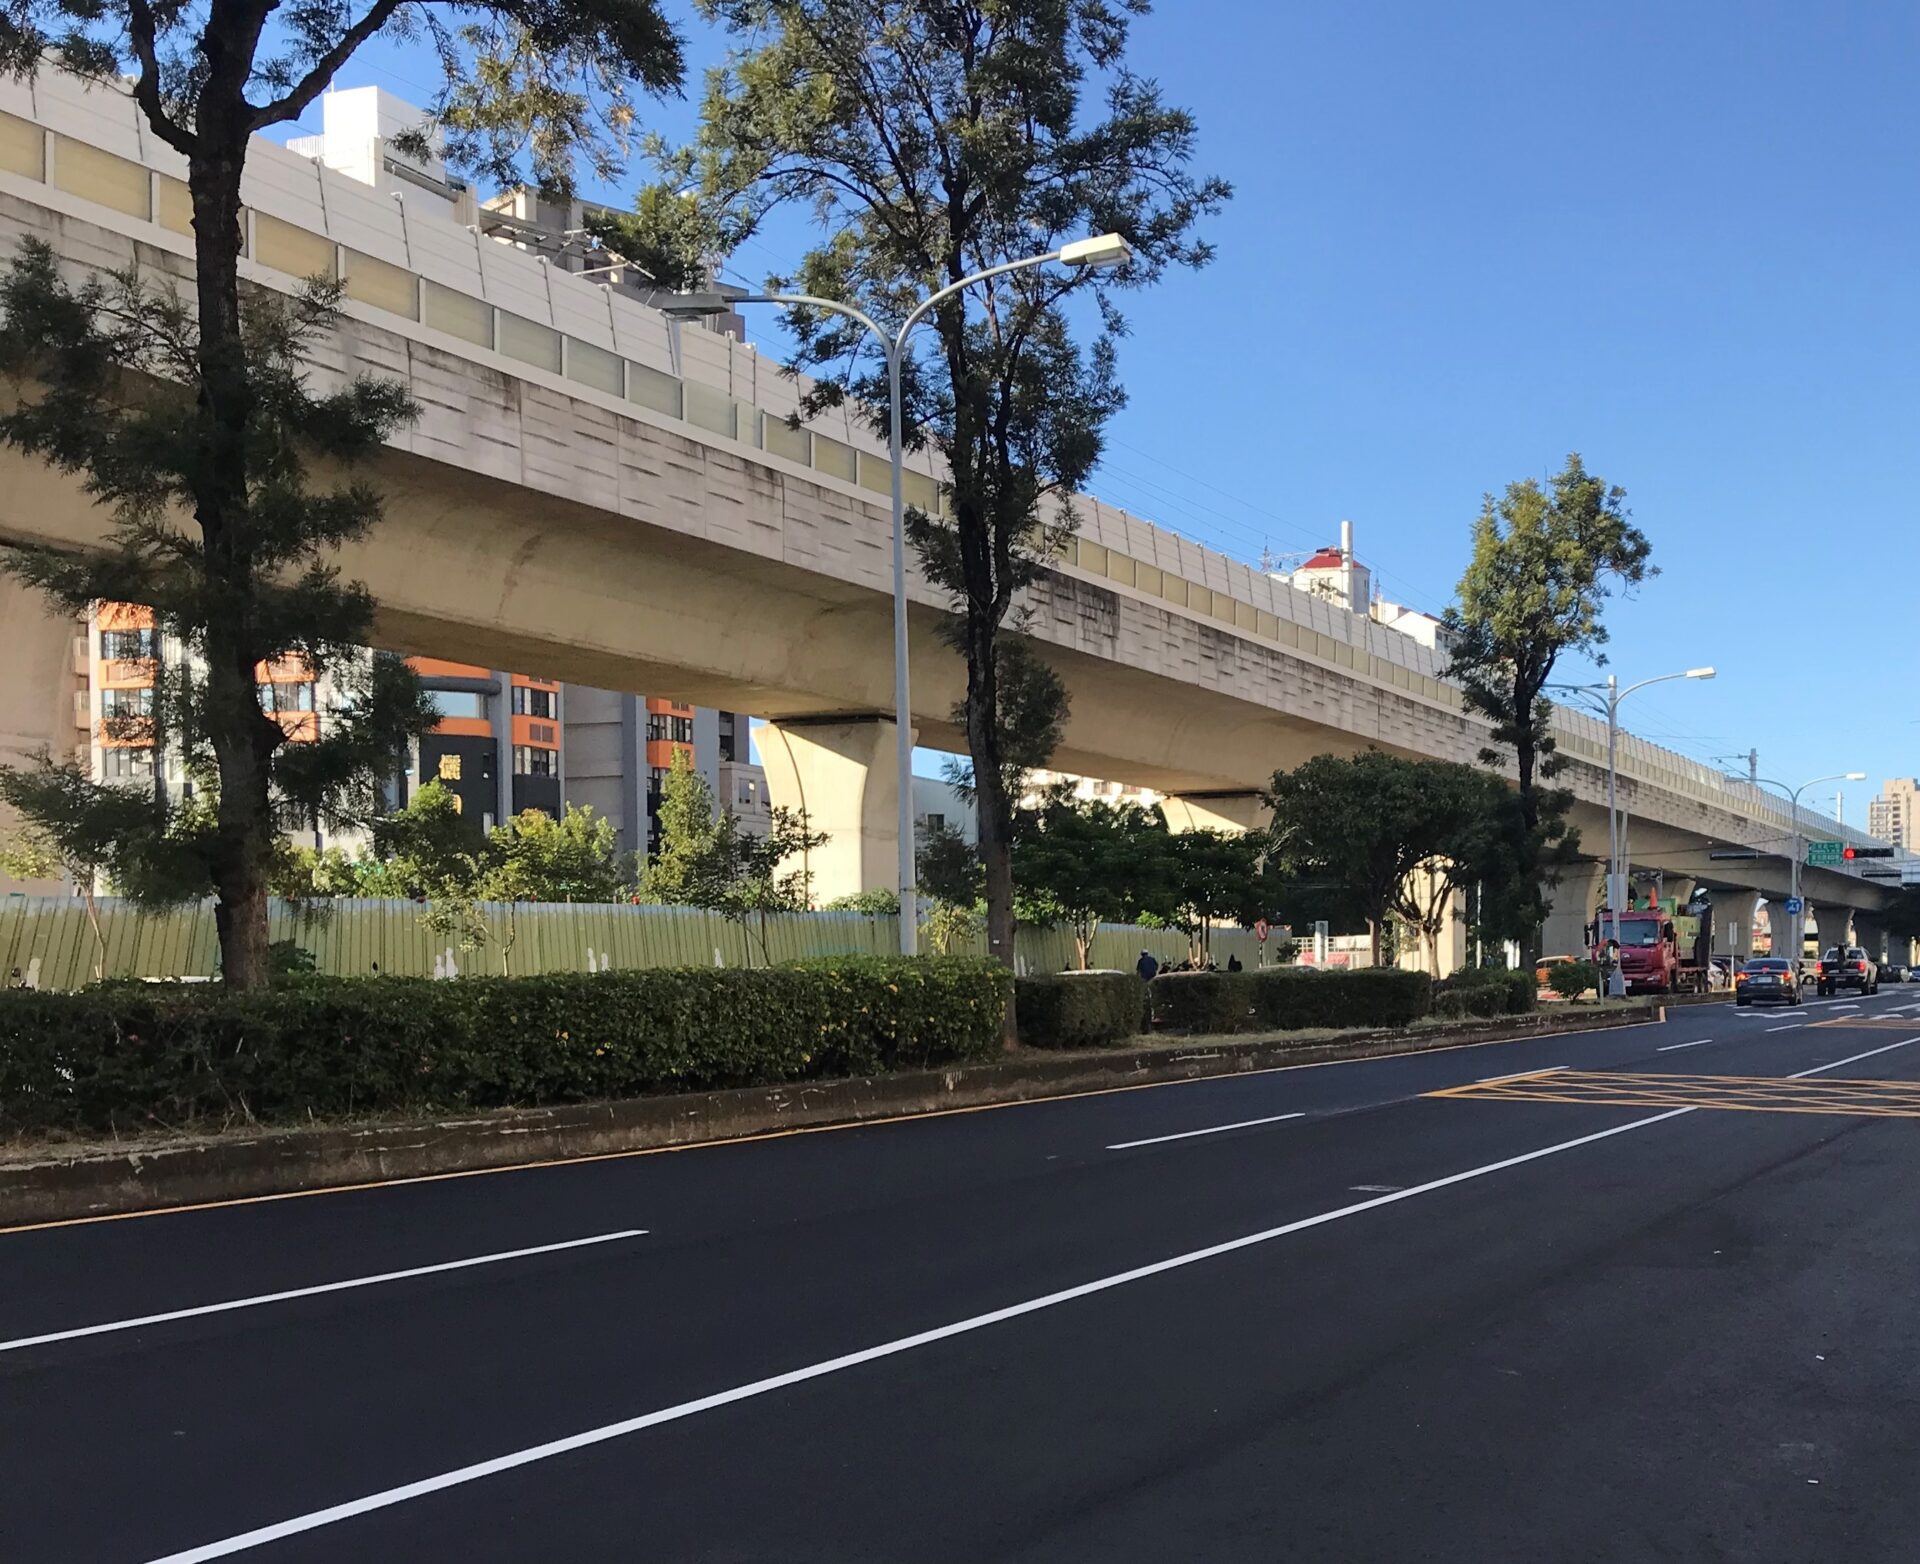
{"type": "Point", "coordinates": [1078, 1009]}
{"type": "Point", "coordinates": [1476, 999]}
{"type": "Point", "coordinates": [1289, 1001]}
{"type": "Point", "coordinates": [1571, 979]}
{"type": "Point", "coordinates": [1203, 1001]}
{"type": "Point", "coordinates": [139, 1056]}
{"type": "Point", "coordinates": [1520, 992]}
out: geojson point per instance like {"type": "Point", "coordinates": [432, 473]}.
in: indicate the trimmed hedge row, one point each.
{"type": "Point", "coordinates": [139, 1056]}
{"type": "Point", "coordinates": [1494, 991]}
{"type": "Point", "coordinates": [1289, 1000]}
{"type": "Point", "coordinates": [1079, 1009]}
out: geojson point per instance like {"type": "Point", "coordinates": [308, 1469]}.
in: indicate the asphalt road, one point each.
{"type": "Point", "coordinates": [1654, 1300]}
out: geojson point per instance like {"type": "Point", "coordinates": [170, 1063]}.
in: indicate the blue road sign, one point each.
{"type": "Point", "coordinates": [1795, 906]}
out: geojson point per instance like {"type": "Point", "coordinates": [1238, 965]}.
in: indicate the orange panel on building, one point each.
{"type": "Point", "coordinates": [660, 752]}
{"type": "Point", "coordinates": [437, 668]}
{"type": "Point", "coordinates": [465, 727]}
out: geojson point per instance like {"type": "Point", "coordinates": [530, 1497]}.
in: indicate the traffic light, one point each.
{"type": "Point", "coordinates": [1852, 853]}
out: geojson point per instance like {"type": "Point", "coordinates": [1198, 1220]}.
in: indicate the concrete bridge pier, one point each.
{"type": "Point", "coordinates": [842, 774]}
{"type": "Point", "coordinates": [1834, 924]}
{"type": "Point", "coordinates": [1570, 908]}
{"type": "Point", "coordinates": [1733, 923]}
{"type": "Point", "coordinates": [1870, 935]}
{"type": "Point", "coordinates": [1229, 811]}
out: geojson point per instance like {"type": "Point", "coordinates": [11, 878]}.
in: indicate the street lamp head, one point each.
{"type": "Point", "coordinates": [1699, 673]}
{"type": "Point", "coordinates": [696, 306]}
{"type": "Point", "coordinates": [1093, 254]}
{"type": "Point", "coordinates": [1855, 776]}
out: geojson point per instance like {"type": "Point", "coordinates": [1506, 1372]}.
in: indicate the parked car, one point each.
{"type": "Point", "coordinates": [1894, 972]}
{"type": "Point", "coordinates": [1543, 973]}
{"type": "Point", "coordinates": [1767, 978]}
{"type": "Point", "coordinates": [1849, 968]}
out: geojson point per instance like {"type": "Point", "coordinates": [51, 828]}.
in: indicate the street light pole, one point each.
{"type": "Point", "coordinates": [1086, 254]}
{"type": "Point", "coordinates": [1796, 920]}
{"type": "Point", "coordinates": [1610, 695]}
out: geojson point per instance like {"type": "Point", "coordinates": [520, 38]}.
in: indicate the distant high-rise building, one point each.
{"type": "Point", "coordinates": [1894, 816]}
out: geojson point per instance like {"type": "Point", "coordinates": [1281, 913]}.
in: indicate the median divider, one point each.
{"type": "Point", "coordinates": [49, 1182]}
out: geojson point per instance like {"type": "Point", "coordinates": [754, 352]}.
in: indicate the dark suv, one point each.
{"type": "Point", "coordinates": [1849, 968]}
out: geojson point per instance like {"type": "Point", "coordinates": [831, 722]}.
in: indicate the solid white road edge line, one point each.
{"type": "Point", "coordinates": [309, 1292]}
{"type": "Point", "coordinates": [1668, 1048]}
{"type": "Point", "coordinates": [313, 1520]}
{"type": "Point", "coordinates": [1905, 1042]}
{"type": "Point", "coordinates": [1793, 1028]}
{"type": "Point", "coordinates": [1524, 1075]}
{"type": "Point", "coordinates": [1217, 1129]}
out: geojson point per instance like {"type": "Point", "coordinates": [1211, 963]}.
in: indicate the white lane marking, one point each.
{"type": "Point", "coordinates": [1793, 1028]}
{"type": "Point", "coordinates": [1850, 1004]}
{"type": "Point", "coordinates": [1216, 1129]}
{"type": "Point", "coordinates": [309, 1292]}
{"type": "Point", "coordinates": [313, 1520]}
{"type": "Point", "coordinates": [1552, 1069]}
{"type": "Point", "coordinates": [1668, 1048]}
{"type": "Point", "coordinates": [1905, 1042]}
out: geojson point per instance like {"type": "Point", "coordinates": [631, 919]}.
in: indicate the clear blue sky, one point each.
{"type": "Point", "coordinates": [1470, 238]}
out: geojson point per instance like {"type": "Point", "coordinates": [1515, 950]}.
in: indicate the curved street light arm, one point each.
{"type": "Point", "coordinates": [952, 288]}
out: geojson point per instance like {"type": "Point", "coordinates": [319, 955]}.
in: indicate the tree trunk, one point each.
{"type": "Point", "coordinates": [993, 806]}
{"type": "Point", "coordinates": [1373, 941]}
{"type": "Point", "coordinates": [1431, 934]}
{"type": "Point", "coordinates": [240, 734]}
{"type": "Point", "coordinates": [92, 905]}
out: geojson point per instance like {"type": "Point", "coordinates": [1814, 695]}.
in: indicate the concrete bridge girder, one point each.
{"type": "Point", "coordinates": [530, 527]}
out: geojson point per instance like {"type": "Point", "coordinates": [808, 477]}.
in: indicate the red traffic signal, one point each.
{"type": "Point", "coordinates": [1848, 855]}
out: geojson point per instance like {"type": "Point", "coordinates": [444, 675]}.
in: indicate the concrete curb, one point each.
{"type": "Point", "coordinates": [101, 1182]}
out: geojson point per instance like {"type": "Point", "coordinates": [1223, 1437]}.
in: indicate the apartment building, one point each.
{"type": "Point", "coordinates": [122, 659]}
{"type": "Point", "coordinates": [1894, 814]}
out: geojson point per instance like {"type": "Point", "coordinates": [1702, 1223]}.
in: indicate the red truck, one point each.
{"type": "Point", "coordinates": [1661, 952]}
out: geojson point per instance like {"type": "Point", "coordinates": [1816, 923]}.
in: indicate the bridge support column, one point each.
{"type": "Point", "coordinates": [841, 773]}
{"type": "Point", "coordinates": [1570, 908]}
{"type": "Point", "coordinates": [1233, 812]}
{"type": "Point", "coordinates": [1834, 924]}
{"type": "Point", "coordinates": [1733, 923]}
{"type": "Point", "coordinates": [1870, 936]}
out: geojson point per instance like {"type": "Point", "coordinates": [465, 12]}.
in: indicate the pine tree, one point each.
{"type": "Point", "coordinates": [190, 420]}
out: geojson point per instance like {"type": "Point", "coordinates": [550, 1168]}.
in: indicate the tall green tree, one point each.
{"type": "Point", "coordinates": [573, 858]}
{"type": "Point", "coordinates": [1216, 879]}
{"type": "Point", "coordinates": [933, 139]}
{"type": "Point", "coordinates": [1464, 816]}
{"type": "Point", "coordinates": [190, 419]}
{"type": "Point", "coordinates": [1371, 823]}
{"type": "Point", "coordinates": [1084, 862]}
{"type": "Point", "coordinates": [420, 849]}
{"type": "Point", "coordinates": [707, 860]}
{"type": "Point", "coordinates": [1545, 560]}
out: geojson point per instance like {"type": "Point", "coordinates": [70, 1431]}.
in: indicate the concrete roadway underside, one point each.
{"type": "Point", "coordinates": [1650, 1297]}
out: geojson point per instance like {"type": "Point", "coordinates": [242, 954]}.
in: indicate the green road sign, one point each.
{"type": "Point", "coordinates": [1823, 855]}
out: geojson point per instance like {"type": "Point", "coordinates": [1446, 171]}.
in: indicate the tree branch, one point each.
{"type": "Point", "coordinates": [146, 89]}
{"type": "Point", "coordinates": [295, 103]}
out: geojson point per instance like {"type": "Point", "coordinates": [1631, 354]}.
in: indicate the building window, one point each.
{"type": "Point", "coordinates": [683, 730]}
{"type": "Point", "coordinates": [457, 703]}
{"type": "Point", "coordinates": [934, 822]}
{"type": "Point", "coordinates": [127, 703]}
{"type": "Point", "coordinates": [746, 790]}
{"type": "Point", "coordinates": [529, 761]}
{"type": "Point", "coordinates": [656, 727]}
{"type": "Point", "coordinates": [124, 764]}
{"type": "Point", "coordinates": [287, 697]}
{"type": "Point", "coordinates": [729, 737]}
{"type": "Point", "coordinates": [125, 646]}
{"type": "Point", "coordinates": [529, 702]}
